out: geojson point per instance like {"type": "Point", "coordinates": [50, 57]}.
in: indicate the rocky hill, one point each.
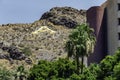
{"type": "Point", "coordinates": [42, 39]}
{"type": "Point", "coordinates": [65, 16]}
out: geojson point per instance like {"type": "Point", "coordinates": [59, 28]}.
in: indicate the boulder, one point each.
{"type": "Point", "coordinates": [16, 54]}
{"type": "Point", "coordinates": [28, 60]}
{"type": "Point", "coordinates": [4, 56]}
{"type": "Point", "coordinates": [1, 44]}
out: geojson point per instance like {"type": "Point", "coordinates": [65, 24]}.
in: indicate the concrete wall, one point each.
{"type": "Point", "coordinates": [112, 12]}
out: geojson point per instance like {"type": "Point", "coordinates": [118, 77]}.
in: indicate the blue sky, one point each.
{"type": "Point", "coordinates": [28, 11]}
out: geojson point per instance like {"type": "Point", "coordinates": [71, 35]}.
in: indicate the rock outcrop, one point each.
{"type": "Point", "coordinates": [66, 16]}
{"type": "Point", "coordinates": [13, 53]}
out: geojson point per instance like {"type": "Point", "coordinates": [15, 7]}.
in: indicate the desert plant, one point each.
{"type": "Point", "coordinates": [21, 73]}
{"type": "Point", "coordinates": [5, 74]}
{"type": "Point", "coordinates": [81, 43]}
{"type": "Point", "coordinates": [27, 51]}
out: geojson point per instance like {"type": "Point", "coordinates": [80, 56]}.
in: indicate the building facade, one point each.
{"type": "Point", "coordinates": [113, 19]}
{"type": "Point", "coordinates": [105, 20]}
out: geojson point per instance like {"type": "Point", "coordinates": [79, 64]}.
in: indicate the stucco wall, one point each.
{"type": "Point", "coordinates": [112, 12]}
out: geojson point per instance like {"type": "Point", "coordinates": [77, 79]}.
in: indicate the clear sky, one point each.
{"type": "Point", "coordinates": [28, 11]}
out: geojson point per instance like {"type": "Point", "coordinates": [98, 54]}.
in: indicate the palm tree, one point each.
{"type": "Point", "coordinates": [81, 43]}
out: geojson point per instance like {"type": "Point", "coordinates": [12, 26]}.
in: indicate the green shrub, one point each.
{"type": "Point", "coordinates": [75, 77]}
{"type": "Point", "coordinates": [20, 73]}
{"type": "Point", "coordinates": [110, 78]}
{"type": "Point", "coordinates": [95, 70]}
{"type": "Point", "coordinates": [5, 74]}
{"type": "Point", "coordinates": [27, 51]}
{"type": "Point", "coordinates": [116, 71]}
{"type": "Point", "coordinates": [107, 66]}
{"type": "Point", "coordinates": [40, 71]}
{"type": "Point", "coordinates": [61, 68]}
{"type": "Point", "coordinates": [65, 68]}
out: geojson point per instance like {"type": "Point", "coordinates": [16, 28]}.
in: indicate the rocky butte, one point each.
{"type": "Point", "coordinates": [43, 39]}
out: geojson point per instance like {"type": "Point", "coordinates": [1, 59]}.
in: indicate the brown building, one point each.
{"type": "Point", "coordinates": [97, 18]}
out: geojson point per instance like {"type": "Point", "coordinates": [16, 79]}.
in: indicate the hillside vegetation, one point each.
{"type": "Point", "coordinates": [64, 69]}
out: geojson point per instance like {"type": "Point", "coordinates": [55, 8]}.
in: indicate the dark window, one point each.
{"type": "Point", "coordinates": [118, 6]}
{"type": "Point", "coordinates": [119, 36]}
{"type": "Point", "coordinates": [118, 21]}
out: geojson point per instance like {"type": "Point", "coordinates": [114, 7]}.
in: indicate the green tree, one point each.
{"type": "Point", "coordinates": [61, 69]}
{"type": "Point", "coordinates": [64, 69]}
{"type": "Point", "coordinates": [81, 43]}
{"type": "Point", "coordinates": [116, 71]}
{"type": "Point", "coordinates": [110, 78]}
{"type": "Point", "coordinates": [75, 77]}
{"type": "Point", "coordinates": [95, 70]}
{"type": "Point", "coordinates": [107, 65]}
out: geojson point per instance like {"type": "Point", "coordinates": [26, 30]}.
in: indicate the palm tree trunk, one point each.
{"type": "Point", "coordinates": [67, 57]}
{"type": "Point", "coordinates": [77, 61]}
{"type": "Point", "coordinates": [82, 60]}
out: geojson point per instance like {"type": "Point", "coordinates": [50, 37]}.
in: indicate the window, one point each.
{"type": "Point", "coordinates": [118, 6]}
{"type": "Point", "coordinates": [118, 21]}
{"type": "Point", "coordinates": [118, 36]}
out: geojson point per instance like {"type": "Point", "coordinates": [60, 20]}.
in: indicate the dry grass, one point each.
{"type": "Point", "coordinates": [6, 64]}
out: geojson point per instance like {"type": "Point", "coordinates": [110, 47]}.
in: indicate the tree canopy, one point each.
{"type": "Point", "coordinates": [81, 43]}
